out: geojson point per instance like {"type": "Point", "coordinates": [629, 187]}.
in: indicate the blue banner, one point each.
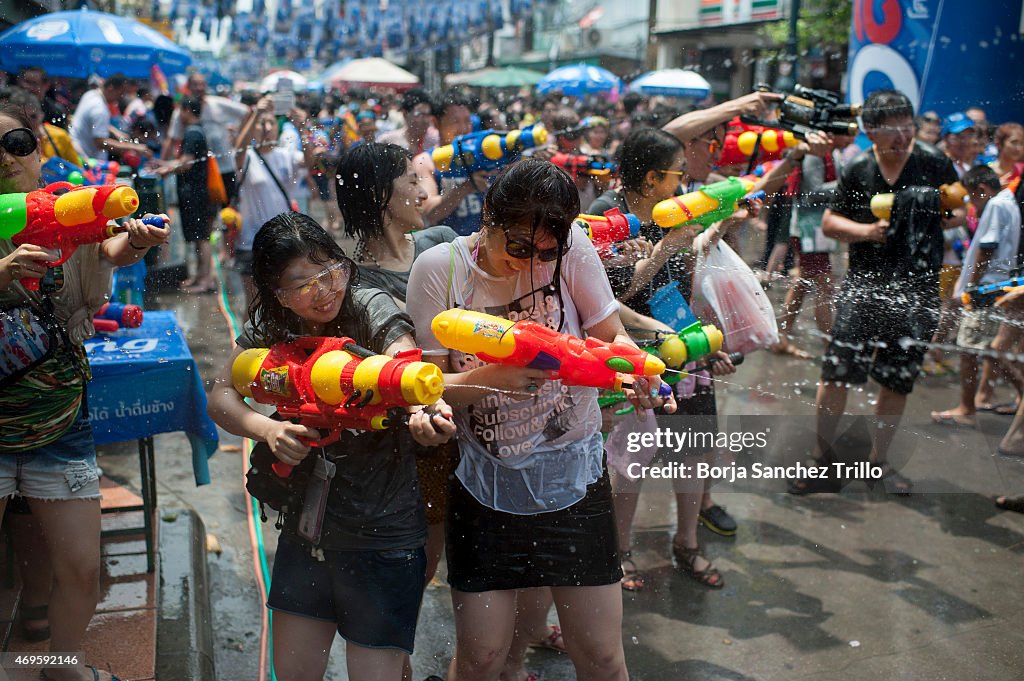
{"type": "Point", "coordinates": [946, 55]}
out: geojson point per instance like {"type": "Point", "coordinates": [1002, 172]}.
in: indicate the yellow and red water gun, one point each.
{"type": "Point", "coordinates": [951, 197]}
{"type": "Point", "coordinates": [333, 384]}
{"type": "Point", "coordinates": [65, 221]}
{"type": "Point", "coordinates": [609, 229]}
{"type": "Point", "coordinates": [591, 362]}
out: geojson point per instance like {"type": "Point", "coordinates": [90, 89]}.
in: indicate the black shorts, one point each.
{"type": "Point", "coordinates": [195, 217]}
{"type": "Point", "coordinates": [373, 596]}
{"type": "Point", "coordinates": [871, 332]}
{"type": "Point", "coordinates": [230, 185]}
{"type": "Point", "coordinates": [491, 550]}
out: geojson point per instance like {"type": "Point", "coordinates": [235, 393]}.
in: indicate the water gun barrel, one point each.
{"type": "Point", "coordinates": [486, 149]}
{"type": "Point", "coordinates": [708, 204]}
{"type": "Point", "coordinates": [986, 295]}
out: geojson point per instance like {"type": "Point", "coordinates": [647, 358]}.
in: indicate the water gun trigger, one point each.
{"type": "Point", "coordinates": [284, 470]}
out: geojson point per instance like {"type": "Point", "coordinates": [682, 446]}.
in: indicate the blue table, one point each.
{"type": "Point", "coordinates": [145, 382]}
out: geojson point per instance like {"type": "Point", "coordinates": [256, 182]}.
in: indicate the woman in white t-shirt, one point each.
{"type": "Point", "coordinates": [266, 179]}
{"type": "Point", "coordinates": [530, 505]}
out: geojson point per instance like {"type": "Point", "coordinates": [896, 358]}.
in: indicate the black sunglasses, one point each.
{"type": "Point", "coordinates": [19, 142]}
{"type": "Point", "coordinates": [524, 250]}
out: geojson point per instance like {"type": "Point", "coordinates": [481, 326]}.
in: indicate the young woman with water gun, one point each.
{"type": "Point", "coordinates": [652, 168]}
{"type": "Point", "coordinates": [530, 505]}
{"type": "Point", "coordinates": [364, 577]}
{"type": "Point", "coordinates": [47, 453]}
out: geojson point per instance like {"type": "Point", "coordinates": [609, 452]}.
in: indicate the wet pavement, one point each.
{"type": "Point", "coordinates": [857, 585]}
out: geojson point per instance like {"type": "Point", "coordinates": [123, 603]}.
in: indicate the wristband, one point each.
{"type": "Point", "coordinates": [137, 248]}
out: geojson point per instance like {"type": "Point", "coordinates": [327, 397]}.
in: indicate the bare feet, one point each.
{"type": "Point", "coordinates": [955, 417]}
{"type": "Point", "coordinates": [787, 348]}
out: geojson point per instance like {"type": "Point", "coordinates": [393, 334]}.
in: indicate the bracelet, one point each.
{"type": "Point", "coordinates": [137, 248]}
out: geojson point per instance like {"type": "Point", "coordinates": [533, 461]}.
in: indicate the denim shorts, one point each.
{"type": "Point", "coordinates": [373, 596]}
{"type": "Point", "coordinates": [59, 471]}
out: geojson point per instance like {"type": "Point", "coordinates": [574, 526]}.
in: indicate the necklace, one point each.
{"type": "Point", "coordinates": [364, 254]}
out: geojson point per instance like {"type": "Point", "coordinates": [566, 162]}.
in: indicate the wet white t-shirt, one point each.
{"type": "Point", "coordinates": [530, 455]}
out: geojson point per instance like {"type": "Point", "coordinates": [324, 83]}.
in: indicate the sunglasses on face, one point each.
{"type": "Point", "coordinates": [522, 249]}
{"type": "Point", "coordinates": [19, 142]}
{"type": "Point", "coordinates": [330, 280]}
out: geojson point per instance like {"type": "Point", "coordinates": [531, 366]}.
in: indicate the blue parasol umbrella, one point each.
{"type": "Point", "coordinates": [80, 43]}
{"type": "Point", "coordinates": [672, 83]}
{"type": "Point", "coordinates": [578, 80]}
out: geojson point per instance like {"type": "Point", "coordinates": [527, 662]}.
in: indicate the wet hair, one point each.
{"type": "Point", "coordinates": [536, 194]}
{"type": "Point", "coordinates": [193, 105]}
{"type": "Point", "coordinates": [163, 109]}
{"type": "Point", "coordinates": [981, 175]}
{"type": "Point", "coordinates": [542, 196]}
{"type": "Point", "coordinates": [630, 102]}
{"type": "Point", "coordinates": [281, 240]}
{"type": "Point", "coordinates": [884, 105]}
{"type": "Point", "coordinates": [414, 97]}
{"type": "Point", "coordinates": [365, 179]}
{"type": "Point", "coordinates": [1006, 131]}
{"type": "Point", "coordinates": [645, 150]}
{"type": "Point", "coordinates": [15, 110]}
{"type": "Point", "coordinates": [450, 99]}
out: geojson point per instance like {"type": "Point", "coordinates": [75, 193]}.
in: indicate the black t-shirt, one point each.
{"type": "Point", "coordinates": [192, 181]}
{"type": "Point", "coordinates": [861, 180]}
{"type": "Point", "coordinates": [679, 267]}
{"type": "Point", "coordinates": [374, 503]}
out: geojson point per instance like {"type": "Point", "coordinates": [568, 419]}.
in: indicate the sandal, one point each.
{"type": "Point", "coordinates": [632, 578]}
{"type": "Point", "coordinates": [43, 676]}
{"type": "Point", "coordinates": [35, 614]}
{"type": "Point", "coordinates": [687, 559]}
{"type": "Point", "coordinates": [895, 483]}
{"type": "Point", "coordinates": [1015, 504]}
{"type": "Point", "coordinates": [553, 641]}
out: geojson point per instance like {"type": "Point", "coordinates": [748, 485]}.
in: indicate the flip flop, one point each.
{"type": "Point", "coordinates": [1005, 409]}
{"type": "Point", "coordinates": [553, 641]}
{"type": "Point", "coordinates": [952, 420]}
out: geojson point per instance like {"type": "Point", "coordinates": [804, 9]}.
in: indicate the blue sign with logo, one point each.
{"type": "Point", "coordinates": [946, 55]}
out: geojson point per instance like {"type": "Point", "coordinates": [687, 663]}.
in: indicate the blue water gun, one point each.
{"type": "Point", "coordinates": [486, 150]}
{"type": "Point", "coordinates": [988, 295]}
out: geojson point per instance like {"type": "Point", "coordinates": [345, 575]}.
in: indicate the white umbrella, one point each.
{"type": "Point", "coordinates": [269, 83]}
{"type": "Point", "coordinates": [672, 83]}
{"type": "Point", "coordinates": [374, 71]}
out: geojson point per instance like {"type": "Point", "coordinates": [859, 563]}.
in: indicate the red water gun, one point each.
{"type": "Point", "coordinates": [584, 164]}
{"type": "Point", "coordinates": [333, 384]}
{"type": "Point", "coordinates": [115, 316]}
{"type": "Point", "coordinates": [591, 362]}
{"type": "Point", "coordinates": [79, 216]}
{"type": "Point", "coordinates": [609, 229]}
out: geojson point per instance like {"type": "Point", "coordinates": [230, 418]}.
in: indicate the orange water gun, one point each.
{"type": "Point", "coordinates": [591, 362]}
{"type": "Point", "coordinates": [333, 384]}
{"type": "Point", "coordinates": [79, 216]}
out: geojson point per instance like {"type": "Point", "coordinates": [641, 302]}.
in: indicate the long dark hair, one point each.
{"type": "Point", "coordinates": [645, 150]}
{"type": "Point", "coordinates": [365, 178]}
{"type": "Point", "coordinates": [280, 240]}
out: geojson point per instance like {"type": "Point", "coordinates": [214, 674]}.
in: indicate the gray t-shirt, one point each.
{"type": "Point", "coordinates": [374, 502]}
{"type": "Point", "coordinates": [397, 283]}
{"type": "Point", "coordinates": [522, 456]}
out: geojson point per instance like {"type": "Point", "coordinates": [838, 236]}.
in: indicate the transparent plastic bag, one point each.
{"type": "Point", "coordinates": [731, 289]}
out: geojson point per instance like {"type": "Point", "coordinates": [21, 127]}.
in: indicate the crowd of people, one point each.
{"type": "Point", "coordinates": [521, 481]}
